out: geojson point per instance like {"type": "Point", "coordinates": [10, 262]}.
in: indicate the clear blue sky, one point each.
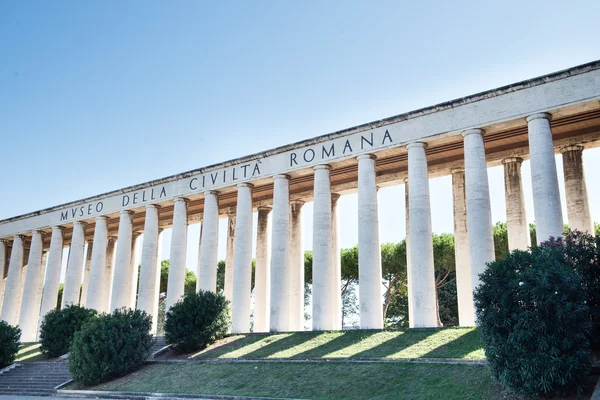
{"type": "Point", "coordinates": [95, 96]}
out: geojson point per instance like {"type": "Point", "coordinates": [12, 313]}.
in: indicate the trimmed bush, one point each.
{"type": "Point", "coordinates": [110, 346]}
{"type": "Point", "coordinates": [59, 326]}
{"type": "Point", "coordinates": [197, 320]}
{"type": "Point", "coordinates": [9, 343]}
{"type": "Point", "coordinates": [534, 322]}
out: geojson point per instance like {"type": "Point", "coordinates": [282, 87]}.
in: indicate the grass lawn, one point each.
{"type": "Point", "coordinates": [337, 380]}
{"type": "Point", "coordinates": [434, 343]}
{"type": "Point", "coordinates": [30, 352]}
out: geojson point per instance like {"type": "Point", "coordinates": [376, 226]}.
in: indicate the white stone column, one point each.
{"type": "Point", "coordinates": [516, 215]}
{"type": "Point", "coordinates": [121, 292]}
{"type": "Point", "coordinates": [30, 306]}
{"type": "Point", "coordinates": [86, 273]}
{"type": "Point", "coordinates": [409, 280]}
{"type": "Point", "coordinates": [3, 269]}
{"type": "Point", "coordinates": [424, 314]}
{"type": "Point", "coordinates": [229, 254]}
{"type": "Point", "coordinates": [464, 288]}
{"type": "Point", "coordinates": [111, 251]}
{"type": "Point", "coordinates": [578, 208]}
{"type": "Point", "coordinates": [280, 255]}
{"type": "Point", "coordinates": [242, 261]}
{"type": "Point", "coordinates": [74, 265]}
{"type": "Point", "coordinates": [262, 272]}
{"type": "Point", "coordinates": [479, 212]}
{"type": "Point", "coordinates": [156, 299]}
{"type": "Point", "coordinates": [148, 289]}
{"type": "Point", "coordinates": [14, 285]}
{"type": "Point", "coordinates": [177, 257]}
{"type": "Point", "coordinates": [207, 267]}
{"type": "Point", "coordinates": [544, 179]}
{"type": "Point", "coordinates": [97, 284]}
{"type": "Point", "coordinates": [53, 267]}
{"type": "Point", "coordinates": [336, 258]}
{"type": "Point", "coordinates": [369, 249]}
{"type": "Point", "coordinates": [134, 267]}
{"type": "Point", "coordinates": [296, 288]}
{"type": "Point", "coordinates": [322, 299]}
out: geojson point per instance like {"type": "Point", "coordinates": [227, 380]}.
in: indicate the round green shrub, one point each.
{"type": "Point", "coordinates": [534, 322]}
{"type": "Point", "coordinates": [59, 326]}
{"type": "Point", "coordinates": [197, 320]}
{"type": "Point", "coordinates": [9, 343]}
{"type": "Point", "coordinates": [110, 346]}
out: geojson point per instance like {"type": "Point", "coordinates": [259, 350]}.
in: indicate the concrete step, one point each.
{"type": "Point", "coordinates": [34, 379]}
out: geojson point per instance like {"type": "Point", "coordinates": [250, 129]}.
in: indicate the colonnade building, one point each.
{"type": "Point", "coordinates": [534, 120]}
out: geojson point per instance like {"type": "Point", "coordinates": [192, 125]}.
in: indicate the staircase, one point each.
{"type": "Point", "coordinates": [33, 378]}
{"type": "Point", "coordinates": [159, 343]}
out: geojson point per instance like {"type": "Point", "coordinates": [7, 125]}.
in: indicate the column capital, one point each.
{"type": "Point", "coordinates": [214, 192]}
{"type": "Point", "coordinates": [20, 236]}
{"type": "Point", "coordinates": [543, 115]}
{"type": "Point", "coordinates": [156, 206]}
{"type": "Point", "coordinates": [129, 212]}
{"type": "Point", "coordinates": [245, 184]}
{"type": "Point", "coordinates": [405, 180]}
{"type": "Point", "coordinates": [264, 208]}
{"type": "Point", "coordinates": [467, 132]}
{"type": "Point", "coordinates": [281, 176]}
{"type": "Point", "coordinates": [366, 156]}
{"type": "Point", "coordinates": [335, 196]}
{"type": "Point", "coordinates": [322, 166]}
{"type": "Point", "coordinates": [510, 160]}
{"type": "Point", "coordinates": [40, 231]}
{"type": "Point", "coordinates": [296, 202]}
{"type": "Point", "coordinates": [457, 170]}
{"type": "Point", "coordinates": [103, 217]}
{"type": "Point", "coordinates": [181, 199]}
{"type": "Point", "coordinates": [416, 144]}
{"type": "Point", "coordinates": [58, 228]}
{"type": "Point", "coordinates": [575, 147]}
{"type": "Point", "coordinates": [82, 223]}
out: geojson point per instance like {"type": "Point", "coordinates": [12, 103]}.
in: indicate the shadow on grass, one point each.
{"type": "Point", "coordinates": [348, 338]}
{"type": "Point", "coordinates": [231, 346]}
{"type": "Point", "coordinates": [396, 344]}
{"type": "Point", "coordinates": [28, 350]}
{"type": "Point", "coordinates": [293, 340]}
{"type": "Point", "coordinates": [460, 347]}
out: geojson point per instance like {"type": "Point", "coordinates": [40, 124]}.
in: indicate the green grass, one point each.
{"type": "Point", "coordinates": [339, 380]}
{"type": "Point", "coordinates": [430, 343]}
{"type": "Point", "coordinates": [30, 352]}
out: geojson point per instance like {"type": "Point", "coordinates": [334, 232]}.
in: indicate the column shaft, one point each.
{"type": "Point", "coordinates": [111, 251]}
{"type": "Point", "coordinates": [30, 306]}
{"type": "Point", "coordinates": [207, 268]}
{"type": "Point", "coordinates": [323, 314]}
{"type": "Point", "coordinates": [578, 208]}
{"type": "Point", "coordinates": [422, 274]}
{"type": "Point", "coordinates": [479, 212]}
{"type": "Point", "coordinates": [134, 269]}
{"type": "Point", "coordinates": [228, 281]}
{"type": "Point", "coordinates": [262, 272]}
{"type": "Point", "coordinates": [149, 271]}
{"type": "Point", "coordinates": [516, 216]}
{"type": "Point", "coordinates": [74, 265]}
{"type": "Point", "coordinates": [464, 288]}
{"type": "Point", "coordinates": [177, 260]}
{"type": "Point", "coordinates": [409, 280]}
{"type": "Point", "coordinates": [544, 179]}
{"type": "Point", "coordinates": [3, 269]}
{"type": "Point", "coordinates": [121, 292]}
{"type": "Point", "coordinates": [336, 258]}
{"type": "Point", "coordinates": [242, 261]}
{"type": "Point", "coordinates": [86, 273]}
{"type": "Point", "coordinates": [97, 283]}
{"type": "Point", "coordinates": [369, 250]}
{"type": "Point", "coordinates": [53, 267]}
{"type": "Point", "coordinates": [280, 255]}
{"type": "Point", "coordinates": [14, 284]}
{"type": "Point", "coordinates": [296, 288]}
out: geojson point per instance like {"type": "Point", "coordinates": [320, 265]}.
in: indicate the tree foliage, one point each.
{"type": "Point", "coordinates": [110, 346]}
{"type": "Point", "coordinates": [9, 343]}
{"type": "Point", "coordinates": [59, 326]}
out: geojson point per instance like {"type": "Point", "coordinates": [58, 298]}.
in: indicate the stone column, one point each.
{"type": "Point", "coordinates": [156, 299]}
{"type": "Point", "coordinates": [121, 294]}
{"type": "Point", "coordinates": [242, 261]}
{"type": "Point", "coordinates": [207, 266]}
{"type": "Point", "coordinates": [74, 265]}
{"type": "Point", "coordinates": [148, 289]}
{"type": "Point", "coordinates": [422, 274]}
{"type": "Point", "coordinates": [3, 269]}
{"type": "Point", "coordinates": [409, 280]}
{"type": "Point", "coordinates": [262, 272]}
{"type": "Point", "coordinates": [97, 285]}
{"type": "Point", "coordinates": [230, 249]}
{"type": "Point", "coordinates": [369, 250]}
{"type": "Point", "coordinates": [53, 267]}
{"type": "Point", "coordinates": [479, 212]}
{"type": "Point", "coordinates": [14, 284]}
{"type": "Point", "coordinates": [134, 267]}
{"type": "Point", "coordinates": [544, 179]}
{"type": "Point", "coordinates": [280, 255]}
{"type": "Point", "coordinates": [578, 208]}
{"type": "Point", "coordinates": [111, 251]}
{"type": "Point", "coordinates": [336, 262]}
{"type": "Point", "coordinates": [296, 289]}
{"type": "Point", "coordinates": [86, 273]}
{"type": "Point", "coordinates": [177, 258]}
{"type": "Point", "coordinates": [464, 288]}
{"type": "Point", "coordinates": [322, 299]}
{"type": "Point", "coordinates": [30, 306]}
{"type": "Point", "coordinates": [516, 216]}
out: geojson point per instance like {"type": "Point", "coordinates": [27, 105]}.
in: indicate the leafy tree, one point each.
{"type": "Point", "coordinates": [500, 232]}
{"type": "Point", "coordinates": [9, 343]}
{"type": "Point", "coordinates": [189, 283]}
{"type": "Point", "coordinates": [59, 326]}
{"type": "Point", "coordinates": [393, 266]}
{"type": "Point", "coordinates": [349, 304]}
{"type": "Point", "coordinates": [221, 275]}
{"type": "Point", "coordinates": [61, 288]}
{"type": "Point", "coordinates": [444, 265]}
